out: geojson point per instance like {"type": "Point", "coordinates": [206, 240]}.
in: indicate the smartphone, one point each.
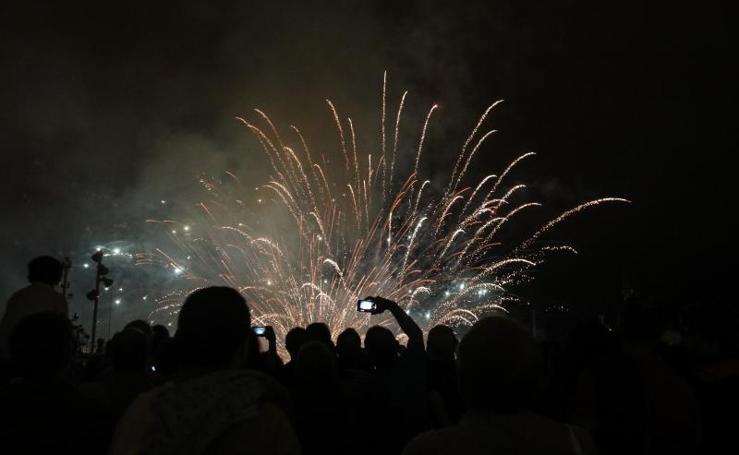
{"type": "Point", "coordinates": [366, 306]}
{"type": "Point", "coordinates": [259, 331]}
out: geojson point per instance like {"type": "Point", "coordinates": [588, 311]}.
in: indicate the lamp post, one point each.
{"type": "Point", "coordinates": [94, 295]}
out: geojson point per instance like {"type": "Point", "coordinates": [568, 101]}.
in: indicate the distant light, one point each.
{"type": "Point", "coordinates": [98, 248]}
{"type": "Point", "coordinates": [107, 289]}
{"type": "Point", "coordinates": [320, 238]}
{"type": "Point", "coordinates": [241, 224]}
{"type": "Point", "coordinates": [117, 301]}
{"type": "Point", "coordinates": [169, 324]}
{"type": "Point", "coordinates": [389, 240]}
{"type": "Point", "coordinates": [186, 228]}
{"type": "Point", "coordinates": [116, 251]}
{"type": "Point", "coordinates": [269, 282]}
{"type": "Point", "coordinates": [144, 298]}
{"type": "Point", "coordinates": [177, 270]}
{"type": "Point", "coordinates": [325, 281]}
{"type": "Point", "coordinates": [174, 232]}
{"type": "Point", "coordinates": [163, 201]}
{"type": "Point", "coordinates": [259, 201]}
{"type": "Point", "coordinates": [446, 293]}
{"type": "Point", "coordinates": [86, 265]}
{"type": "Point", "coordinates": [461, 286]}
{"type": "Point", "coordinates": [120, 289]}
{"type": "Point", "coordinates": [428, 315]}
{"type": "Point", "coordinates": [188, 258]}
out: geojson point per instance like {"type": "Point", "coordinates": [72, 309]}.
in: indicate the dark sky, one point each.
{"type": "Point", "coordinates": [109, 106]}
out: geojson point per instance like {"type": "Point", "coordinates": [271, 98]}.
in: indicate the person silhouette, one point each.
{"type": "Point", "coordinates": [399, 403]}
{"type": "Point", "coordinates": [349, 351]}
{"type": "Point", "coordinates": [44, 274]}
{"type": "Point", "coordinates": [323, 419]}
{"type": "Point", "coordinates": [127, 353]}
{"type": "Point", "coordinates": [40, 411]}
{"type": "Point", "coordinates": [212, 405]}
{"type": "Point", "coordinates": [318, 331]}
{"type": "Point", "coordinates": [294, 340]}
{"type": "Point", "coordinates": [441, 344]}
{"type": "Point", "coordinates": [499, 366]}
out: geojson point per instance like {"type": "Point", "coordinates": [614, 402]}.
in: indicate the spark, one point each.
{"type": "Point", "coordinates": [393, 234]}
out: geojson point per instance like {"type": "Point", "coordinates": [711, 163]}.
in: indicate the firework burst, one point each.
{"type": "Point", "coordinates": [320, 239]}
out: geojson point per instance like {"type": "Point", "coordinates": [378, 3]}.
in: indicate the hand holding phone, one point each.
{"type": "Point", "coordinates": [366, 306]}
{"type": "Point", "coordinates": [373, 305]}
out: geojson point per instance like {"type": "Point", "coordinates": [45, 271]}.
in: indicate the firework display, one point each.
{"type": "Point", "coordinates": [325, 229]}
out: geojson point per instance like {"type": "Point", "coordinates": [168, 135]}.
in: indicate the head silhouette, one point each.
{"type": "Point", "coordinates": [41, 345]}
{"type": "Point", "coordinates": [45, 269]}
{"type": "Point", "coordinates": [348, 343]}
{"type": "Point", "coordinates": [213, 327]}
{"type": "Point", "coordinates": [127, 350]}
{"type": "Point", "coordinates": [142, 326]}
{"type": "Point", "coordinates": [294, 340]}
{"type": "Point", "coordinates": [441, 343]}
{"type": "Point", "coordinates": [381, 346]}
{"type": "Point", "coordinates": [318, 331]}
{"type": "Point", "coordinates": [498, 366]}
{"type": "Point", "coordinates": [315, 366]}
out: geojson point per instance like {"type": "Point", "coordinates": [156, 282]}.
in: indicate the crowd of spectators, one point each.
{"type": "Point", "coordinates": [213, 387]}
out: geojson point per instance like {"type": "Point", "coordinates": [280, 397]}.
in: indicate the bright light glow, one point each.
{"type": "Point", "coordinates": [286, 267]}
{"type": "Point", "coordinates": [186, 228]}
{"type": "Point", "coordinates": [86, 265]}
{"type": "Point", "coordinates": [117, 301]}
{"type": "Point", "coordinates": [116, 251]}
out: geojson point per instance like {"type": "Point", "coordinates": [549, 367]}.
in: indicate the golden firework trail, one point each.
{"type": "Point", "coordinates": [321, 240]}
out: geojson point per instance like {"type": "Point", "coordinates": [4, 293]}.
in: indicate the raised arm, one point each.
{"type": "Point", "coordinates": [406, 323]}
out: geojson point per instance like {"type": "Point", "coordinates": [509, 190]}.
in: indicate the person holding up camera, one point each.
{"type": "Point", "coordinates": [400, 402]}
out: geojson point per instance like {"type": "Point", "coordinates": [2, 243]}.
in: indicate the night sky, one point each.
{"type": "Point", "coordinates": [109, 107]}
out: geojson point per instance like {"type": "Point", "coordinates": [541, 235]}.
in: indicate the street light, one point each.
{"type": "Point", "coordinates": [94, 294]}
